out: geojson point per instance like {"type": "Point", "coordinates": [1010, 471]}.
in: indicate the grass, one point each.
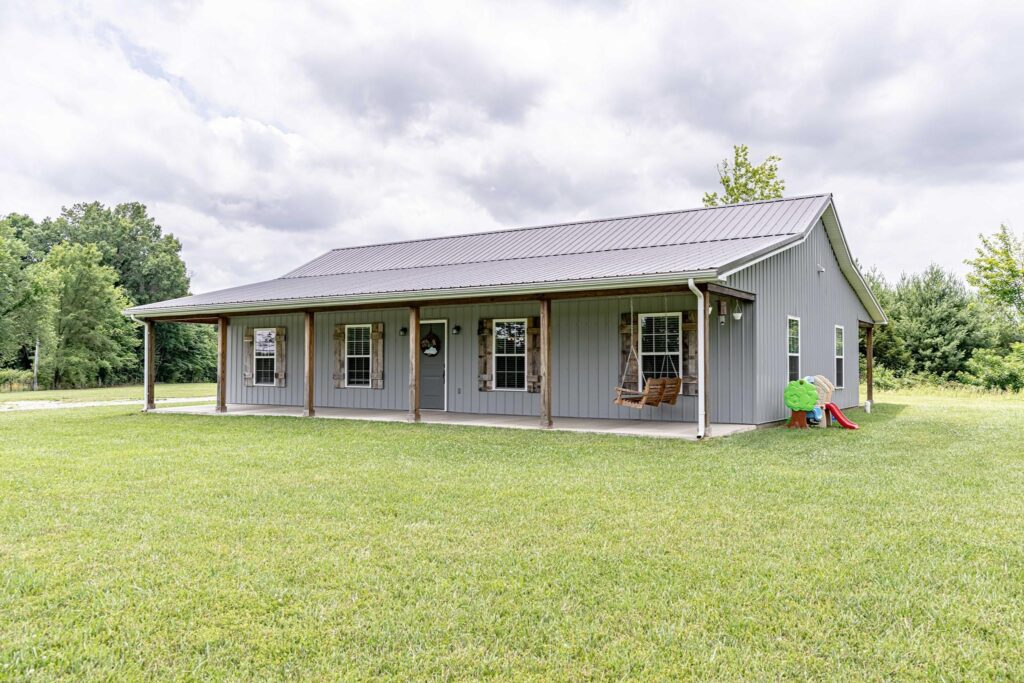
{"type": "Point", "coordinates": [125, 393]}
{"type": "Point", "coordinates": [163, 546]}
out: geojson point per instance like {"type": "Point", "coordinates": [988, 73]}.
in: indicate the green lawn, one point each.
{"type": "Point", "coordinates": [128, 393]}
{"type": "Point", "coordinates": [253, 548]}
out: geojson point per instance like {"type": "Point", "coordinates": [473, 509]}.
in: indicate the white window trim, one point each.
{"type": "Point", "coordinates": [841, 357]}
{"type": "Point", "coordinates": [368, 356]}
{"type": "Point", "coordinates": [525, 354]}
{"type": "Point", "coordinates": [640, 344]}
{"type": "Point", "coordinates": [256, 355]}
{"type": "Point", "coordinates": [799, 347]}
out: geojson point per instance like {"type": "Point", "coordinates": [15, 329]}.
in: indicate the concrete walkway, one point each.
{"type": "Point", "coordinates": [55, 405]}
{"type": "Point", "coordinates": [671, 430]}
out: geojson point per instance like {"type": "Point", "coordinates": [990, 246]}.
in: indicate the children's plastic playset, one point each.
{"type": "Point", "coordinates": [810, 399]}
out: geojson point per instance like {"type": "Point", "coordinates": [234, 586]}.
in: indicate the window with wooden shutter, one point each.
{"type": "Point", "coordinates": [358, 356]}
{"type": "Point", "coordinates": [485, 363]}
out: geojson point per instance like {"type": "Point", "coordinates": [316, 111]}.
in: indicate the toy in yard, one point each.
{"type": "Point", "coordinates": [800, 397]}
{"type": "Point", "coordinates": [825, 390]}
{"type": "Point", "coordinates": [838, 416]}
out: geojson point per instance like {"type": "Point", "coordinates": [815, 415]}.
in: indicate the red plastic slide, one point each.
{"type": "Point", "coordinates": [838, 416]}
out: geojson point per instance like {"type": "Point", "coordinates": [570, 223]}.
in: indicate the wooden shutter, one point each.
{"type": "Point", "coordinates": [629, 338]}
{"type": "Point", "coordinates": [339, 357]}
{"type": "Point", "coordinates": [281, 350]}
{"type": "Point", "coordinates": [533, 355]}
{"type": "Point", "coordinates": [486, 356]}
{"type": "Point", "coordinates": [249, 352]}
{"type": "Point", "coordinates": [377, 356]}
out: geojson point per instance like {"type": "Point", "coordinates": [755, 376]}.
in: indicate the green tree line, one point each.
{"type": "Point", "coordinates": [64, 283]}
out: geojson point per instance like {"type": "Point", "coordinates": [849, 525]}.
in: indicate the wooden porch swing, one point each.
{"type": "Point", "coordinates": [655, 392]}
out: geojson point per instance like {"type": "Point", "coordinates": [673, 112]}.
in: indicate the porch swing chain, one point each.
{"type": "Point", "coordinates": [632, 352]}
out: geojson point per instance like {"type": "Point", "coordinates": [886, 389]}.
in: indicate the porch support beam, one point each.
{"type": "Point", "coordinates": [658, 290]}
{"type": "Point", "coordinates": [222, 364]}
{"type": "Point", "coordinates": [414, 364]}
{"type": "Point", "coordinates": [149, 365]}
{"type": "Point", "coordinates": [545, 363]}
{"type": "Point", "coordinates": [869, 340]}
{"type": "Point", "coordinates": [731, 292]}
{"type": "Point", "coordinates": [310, 362]}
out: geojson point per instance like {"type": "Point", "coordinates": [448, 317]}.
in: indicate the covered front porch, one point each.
{"type": "Point", "coordinates": [669, 430]}
{"type": "Point", "coordinates": [581, 343]}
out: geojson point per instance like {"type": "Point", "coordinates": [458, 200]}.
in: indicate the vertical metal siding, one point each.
{"type": "Point", "coordinates": [395, 394]}
{"type": "Point", "coordinates": [288, 395]}
{"type": "Point", "coordinates": [789, 284]}
{"type": "Point", "coordinates": [585, 359]}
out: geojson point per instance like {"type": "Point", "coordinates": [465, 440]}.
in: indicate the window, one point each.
{"type": "Point", "coordinates": [660, 345]}
{"type": "Point", "coordinates": [357, 355]}
{"type": "Point", "coordinates": [840, 343]}
{"type": "Point", "coordinates": [510, 355]}
{"type": "Point", "coordinates": [793, 348]}
{"type": "Point", "coordinates": [265, 356]}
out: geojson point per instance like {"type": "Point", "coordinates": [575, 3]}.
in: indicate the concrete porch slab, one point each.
{"type": "Point", "coordinates": [649, 428]}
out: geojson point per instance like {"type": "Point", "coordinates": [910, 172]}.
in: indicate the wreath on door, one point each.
{"type": "Point", "coordinates": [430, 344]}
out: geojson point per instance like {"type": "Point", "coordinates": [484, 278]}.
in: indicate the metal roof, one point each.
{"type": "Point", "coordinates": [774, 218]}
{"type": "Point", "coordinates": [643, 249]}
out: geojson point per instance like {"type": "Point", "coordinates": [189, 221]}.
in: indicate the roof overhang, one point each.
{"type": "Point", "coordinates": [834, 230]}
{"type": "Point", "coordinates": [388, 299]}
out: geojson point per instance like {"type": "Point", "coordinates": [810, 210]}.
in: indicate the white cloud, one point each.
{"type": "Point", "coordinates": [263, 133]}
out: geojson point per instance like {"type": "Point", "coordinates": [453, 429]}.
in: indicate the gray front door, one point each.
{"type": "Point", "coordinates": [433, 350]}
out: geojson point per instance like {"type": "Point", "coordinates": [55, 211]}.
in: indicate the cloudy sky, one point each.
{"type": "Point", "coordinates": [262, 134]}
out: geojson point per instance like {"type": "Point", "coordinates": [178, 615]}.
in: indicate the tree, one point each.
{"type": "Point", "coordinates": [149, 267]}
{"type": "Point", "coordinates": [890, 350]}
{"type": "Point", "coordinates": [94, 342]}
{"type": "Point", "coordinates": [998, 271]}
{"type": "Point", "coordinates": [25, 311]}
{"type": "Point", "coordinates": [935, 317]}
{"type": "Point", "coordinates": [744, 182]}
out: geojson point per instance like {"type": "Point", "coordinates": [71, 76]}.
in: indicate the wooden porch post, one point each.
{"type": "Point", "coordinates": [414, 364]}
{"type": "Point", "coordinates": [706, 341]}
{"type": "Point", "coordinates": [222, 364]}
{"type": "Point", "coordinates": [869, 338]}
{"type": "Point", "coordinates": [149, 366]}
{"type": "Point", "coordinates": [309, 339]}
{"type": "Point", "coordinates": [545, 363]}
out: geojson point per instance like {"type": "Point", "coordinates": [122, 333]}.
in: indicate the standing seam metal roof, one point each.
{"type": "Point", "coordinates": [781, 217]}
{"type": "Point", "coordinates": [696, 242]}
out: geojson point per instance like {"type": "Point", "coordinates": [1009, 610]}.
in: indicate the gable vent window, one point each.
{"type": "Point", "coordinates": [357, 355]}
{"type": "Point", "coordinates": [265, 356]}
{"type": "Point", "coordinates": [793, 348]}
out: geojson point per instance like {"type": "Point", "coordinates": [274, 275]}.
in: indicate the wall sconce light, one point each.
{"type": "Point", "coordinates": [402, 331]}
{"type": "Point", "coordinates": [723, 310]}
{"type": "Point", "coordinates": [737, 312]}
{"type": "Point", "coordinates": [456, 329]}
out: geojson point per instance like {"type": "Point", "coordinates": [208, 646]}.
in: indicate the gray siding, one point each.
{"type": "Point", "coordinates": [790, 284]}
{"type": "Point", "coordinates": [395, 394]}
{"type": "Point", "coordinates": [288, 395]}
{"type": "Point", "coordinates": [585, 358]}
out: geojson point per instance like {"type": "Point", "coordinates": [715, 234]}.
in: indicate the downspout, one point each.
{"type": "Point", "coordinates": [701, 314]}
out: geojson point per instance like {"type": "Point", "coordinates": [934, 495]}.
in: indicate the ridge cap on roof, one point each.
{"type": "Point", "coordinates": [579, 222]}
